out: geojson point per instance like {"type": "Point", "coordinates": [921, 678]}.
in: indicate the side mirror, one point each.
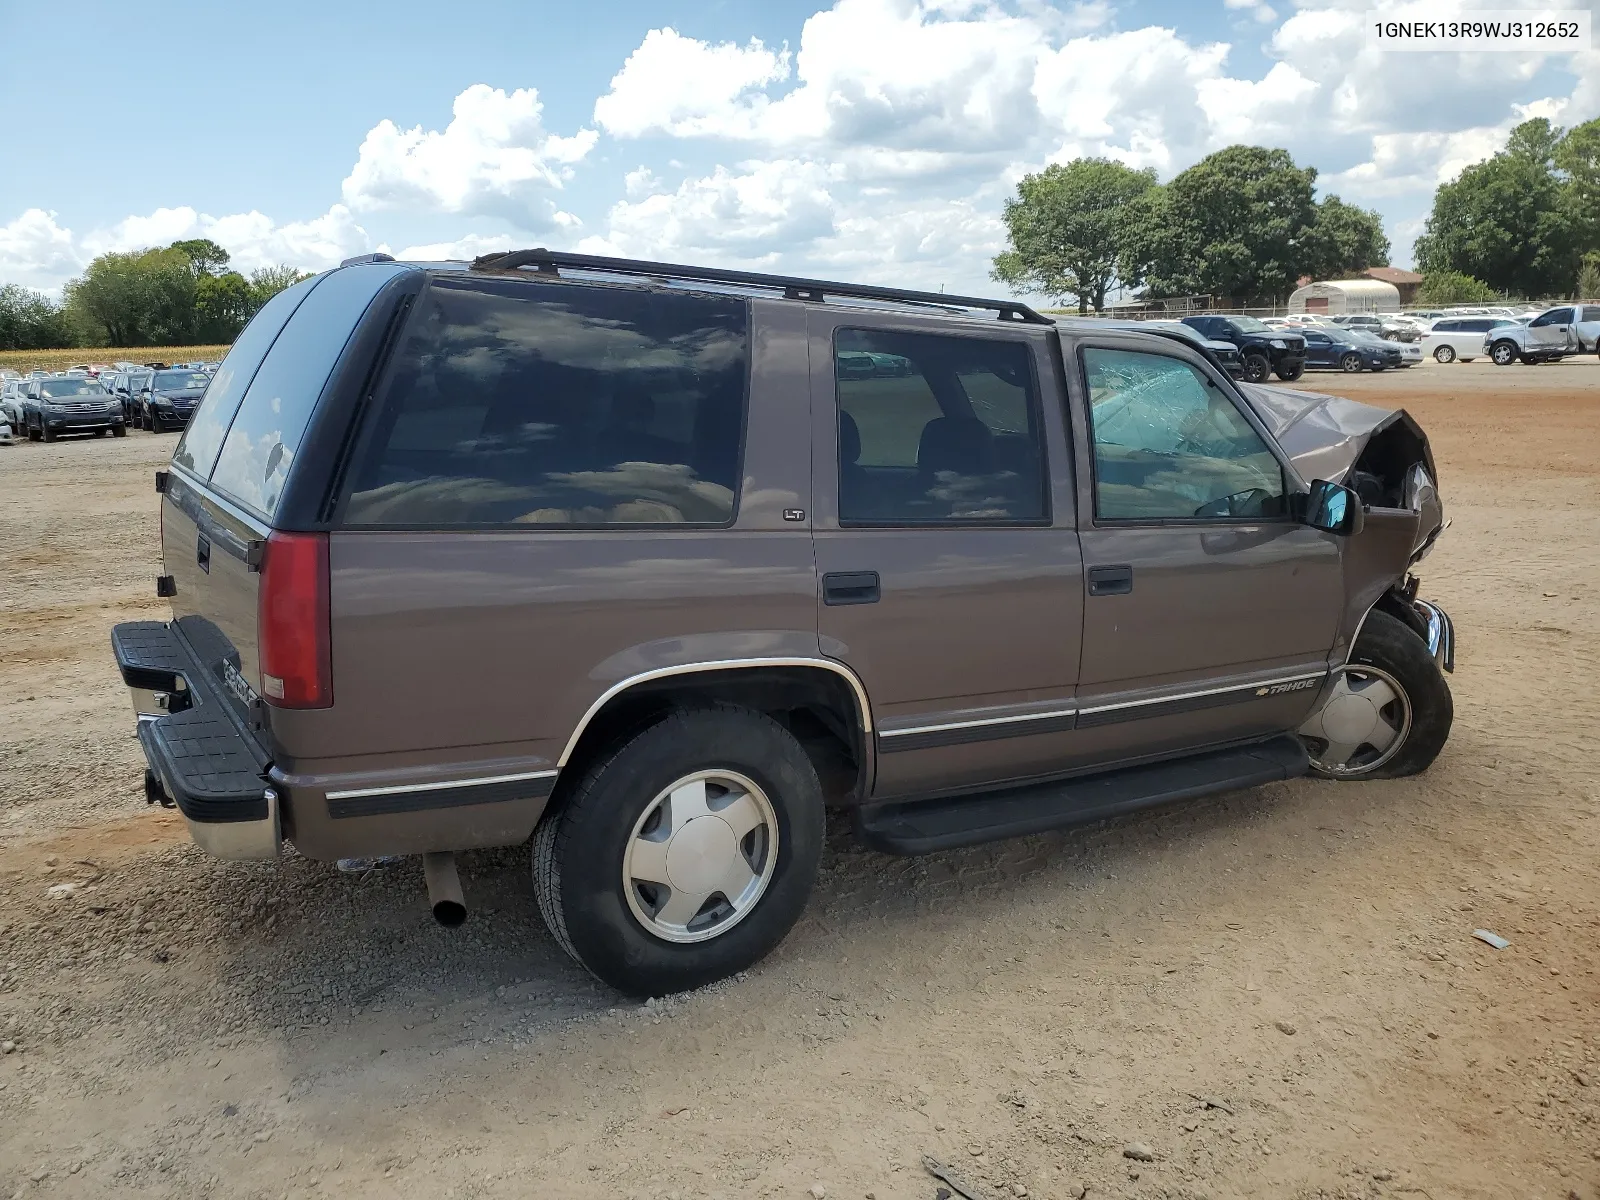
{"type": "Point", "coordinates": [1334, 508]}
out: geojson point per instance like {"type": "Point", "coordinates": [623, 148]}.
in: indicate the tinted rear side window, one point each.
{"type": "Point", "coordinates": [261, 444]}
{"type": "Point", "coordinates": [558, 405]}
{"type": "Point", "coordinates": [209, 425]}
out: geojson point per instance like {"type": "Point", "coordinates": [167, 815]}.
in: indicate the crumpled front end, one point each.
{"type": "Point", "coordinates": [1381, 453]}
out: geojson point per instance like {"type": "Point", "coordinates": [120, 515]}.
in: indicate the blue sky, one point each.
{"type": "Point", "coordinates": [871, 139]}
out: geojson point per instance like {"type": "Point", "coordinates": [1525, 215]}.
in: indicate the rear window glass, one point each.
{"type": "Point", "coordinates": [544, 404]}
{"type": "Point", "coordinates": [261, 444]}
{"type": "Point", "coordinates": [209, 425]}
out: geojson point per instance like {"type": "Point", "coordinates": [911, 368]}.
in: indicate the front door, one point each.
{"type": "Point", "coordinates": [1209, 613]}
{"type": "Point", "coordinates": [1319, 349]}
{"type": "Point", "coordinates": [947, 558]}
{"type": "Point", "coordinates": [1550, 331]}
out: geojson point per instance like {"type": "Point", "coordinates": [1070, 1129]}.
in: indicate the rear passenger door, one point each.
{"type": "Point", "coordinates": [950, 580]}
{"type": "Point", "coordinates": [1209, 612]}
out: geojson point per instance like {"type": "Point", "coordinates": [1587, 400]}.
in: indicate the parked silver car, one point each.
{"type": "Point", "coordinates": [1558, 332]}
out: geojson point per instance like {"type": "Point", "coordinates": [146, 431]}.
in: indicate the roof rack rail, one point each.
{"type": "Point", "coordinates": [550, 262]}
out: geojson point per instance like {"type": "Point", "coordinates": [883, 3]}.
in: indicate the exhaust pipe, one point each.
{"type": "Point", "coordinates": [444, 888]}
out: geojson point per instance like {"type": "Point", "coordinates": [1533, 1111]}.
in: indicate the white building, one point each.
{"type": "Point", "coordinates": [1338, 296]}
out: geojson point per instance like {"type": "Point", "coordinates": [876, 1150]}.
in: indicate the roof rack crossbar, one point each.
{"type": "Point", "coordinates": [550, 262]}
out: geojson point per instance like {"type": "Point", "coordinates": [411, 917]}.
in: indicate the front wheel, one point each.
{"type": "Point", "coordinates": [685, 853]}
{"type": "Point", "coordinates": [1389, 711]}
{"type": "Point", "coordinates": [1350, 364]}
{"type": "Point", "coordinates": [1292, 372]}
{"type": "Point", "coordinates": [1256, 368]}
{"type": "Point", "coordinates": [46, 432]}
{"type": "Point", "coordinates": [119, 431]}
{"type": "Point", "coordinates": [1503, 353]}
{"type": "Point", "coordinates": [1444, 354]}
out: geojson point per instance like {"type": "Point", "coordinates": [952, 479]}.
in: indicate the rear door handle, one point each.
{"type": "Point", "coordinates": [850, 587]}
{"type": "Point", "coordinates": [1110, 581]}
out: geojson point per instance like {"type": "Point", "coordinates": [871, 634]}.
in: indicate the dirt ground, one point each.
{"type": "Point", "coordinates": [1276, 992]}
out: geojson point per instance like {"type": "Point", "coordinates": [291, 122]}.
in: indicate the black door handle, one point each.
{"type": "Point", "coordinates": [850, 587]}
{"type": "Point", "coordinates": [202, 553]}
{"type": "Point", "coordinates": [1110, 581]}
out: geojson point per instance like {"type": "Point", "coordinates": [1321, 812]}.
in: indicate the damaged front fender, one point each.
{"type": "Point", "coordinates": [1384, 456]}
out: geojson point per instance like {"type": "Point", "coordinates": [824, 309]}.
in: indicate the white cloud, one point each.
{"type": "Point", "coordinates": [745, 215]}
{"type": "Point", "coordinates": [687, 88]}
{"type": "Point", "coordinates": [494, 158]}
{"type": "Point", "coordinates": [253, 239]}
{"type": "Point", "coordinates": [35, 251]}
{"type": "Point", "coordinates": [465, 248]}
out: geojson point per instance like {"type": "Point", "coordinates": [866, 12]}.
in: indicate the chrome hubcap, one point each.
{"type": "Point", "coordinates": [1362, 724]}
{"type": "Point", "coordinates": [700, 856]}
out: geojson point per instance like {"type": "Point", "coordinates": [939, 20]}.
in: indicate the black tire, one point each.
{"type": "Point", "coordinates": [1444, 354]}
{"type": "Point", "coordinates": [1256, 367]}
{"type": "Point", "coordinates": [579, 848]}
{"type": "Point", "coordinates": [1290, 374]}
{"type": "Point", "coordinates": [1503, 354]}
{"type": "Point", "coordinates": [33, 434]}
{"type": "Point", "coordinates": [1389, 644]}
{"type": "Point", "coordinates": [46, 432]}
{"type": "Point", "coordinates": [119, 431]}
{"type": "Point", "coordinates": [1350, 363]}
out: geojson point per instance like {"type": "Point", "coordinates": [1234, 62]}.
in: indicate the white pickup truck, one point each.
{"type": "Point", "coordinates": [1555, 333]}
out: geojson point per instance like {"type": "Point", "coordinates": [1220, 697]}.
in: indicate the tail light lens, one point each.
{"type": "Point", "coordinates": [292, 622]}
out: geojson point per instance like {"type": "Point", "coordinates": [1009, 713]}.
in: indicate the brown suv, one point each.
{"type": "Point", "coordinates": [653, 563]}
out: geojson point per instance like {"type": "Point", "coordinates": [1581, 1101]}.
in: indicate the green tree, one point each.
{"type": "Point", "coordinates": [1239, 224]}
{"type": "Point", "coordinates": [1066, 230]}
{"type": "Point", "coordinates": [1589, 277]}
{"type": "Point", "coordinates": [267, 282]}
{"type": "Point", "coordinates": [30, 320]}
{"type": "Point", "coordinates": [143, 298]}
{"type": "Point", "coordinates": [222, 305]}
{"type": "Point", "coordinates": [1535, 140]}
{"type": "Point", "coordinates": [206, 257]}
{"type": "Point", "coordinates": [1345, 241]}
{"type": "Point", "coordinates": [1452, 287]}
{"type": "Point", "coordinates": [1577, 157]}
{"type": "Point", "coordinates": [1506, 221]}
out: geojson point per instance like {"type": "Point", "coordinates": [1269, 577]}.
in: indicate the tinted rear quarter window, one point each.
{"type": "Point", "coordinates": [209, 425]}
{"type": "Point", "coordinates": [259, 449]}
{"type": "Point", "coordinates": [520, 403]}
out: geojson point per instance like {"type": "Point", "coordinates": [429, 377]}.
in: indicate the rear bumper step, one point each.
{"type": "Point", "coordinates": [920, 827]}
{"type": "Point", "coordinates": [211, 767]}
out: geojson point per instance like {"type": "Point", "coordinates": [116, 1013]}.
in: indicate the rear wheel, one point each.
{"type": "Point", "coordinates": [1350, 363]}
{"type": "Point", "coordinates": [1256, 367]}
{"type": "Point", "coordinates": [685, 853]}
{"type": "Point", "coordinates": [1444, 354]}
{"type": "Point", "coordinates": [1389, 711]}
{"type": "Point", "coordinates": [1503, 353]}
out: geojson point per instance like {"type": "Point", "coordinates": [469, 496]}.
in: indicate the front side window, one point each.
{"type": "Point", "coordinates": [1169, 445]}
{"type": "Point", "coordinates": [1556, 316]}
{"type": "Point", "coordinates": [936, 429]}
{"type": "Point", "coordinates": [517, 403]}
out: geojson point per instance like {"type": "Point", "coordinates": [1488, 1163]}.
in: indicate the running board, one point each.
{"type": "Point", "coordinates": [918, 827]}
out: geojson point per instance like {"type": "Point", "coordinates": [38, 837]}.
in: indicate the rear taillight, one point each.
{"type": "Point", "coordinates": [292, 621]}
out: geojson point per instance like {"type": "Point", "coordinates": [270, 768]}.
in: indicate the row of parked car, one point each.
{"type": "Point", "coordinates": [1504, 334]}
{"type": "Point", "coordinates": [158, 397]}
